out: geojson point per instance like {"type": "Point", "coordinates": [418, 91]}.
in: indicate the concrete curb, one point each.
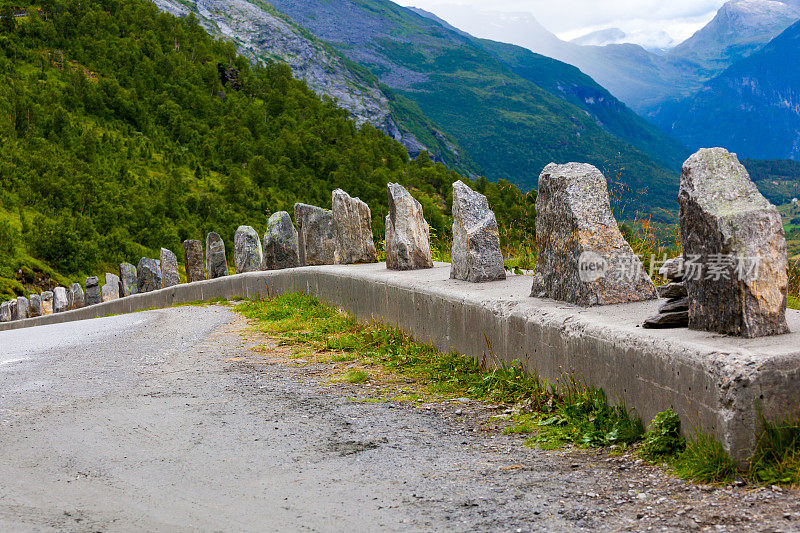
{"type": "Point", "coordinates": [713, 382]}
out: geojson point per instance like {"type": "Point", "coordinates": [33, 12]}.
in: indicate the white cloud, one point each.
{"type": "Point", "coordinates": [645, 20]}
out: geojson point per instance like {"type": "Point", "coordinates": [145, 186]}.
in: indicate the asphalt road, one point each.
{"type": "Point", "coordinates": [172, 420]}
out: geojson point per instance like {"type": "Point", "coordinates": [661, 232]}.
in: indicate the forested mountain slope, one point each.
{"type": "Point", "coordinates": [118, 137]}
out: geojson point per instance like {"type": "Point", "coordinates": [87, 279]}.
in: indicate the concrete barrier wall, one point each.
{"type": "Point", "coordinates": [713, 382]}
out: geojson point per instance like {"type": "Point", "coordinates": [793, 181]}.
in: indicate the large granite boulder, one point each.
{"type": "Point", "coordinates": [281, 245]}
{"type": "Point", "coordinates": [247, 253]}
{"type": "Point", "coordinates": [407, 233]}
{"type": "Point", "coordinates": [169, 269]}
{"type": "Point", "coordinates": [110, 290]}
{"type": "Point", "coordinates": [315, 235]}
{"type": "Point", "coordinates": [129, 279]}
{"type": "Point", "coordinates": [76, 296]}
{"type": "Point", "coordinates": [193, 259]}
{"type": "Point", "coordinates": [216, 262]}
{"type": "Point", "coordinates": [47, 303]}
{"type": "Point", "coordinates": [60, 300]}
{"type": "Point", "coordinates": [149, 275]}
{"type": "Point", "coordinates": [583, 257]}
{"type": "Point", "coordinates": [34, 305]}
{"type": "Point", "coordinates": [93, 293]}
{"type": "Point", "coordinates": [5, 312]}
{"type": "Point", "coordinates": [734, 249]}
{"type": "Point", "coordinates": [476, 254]}
{"type": "Point", "coordinates": [23, 308]}
{"type": "Point", "coordinates": [352, 224]}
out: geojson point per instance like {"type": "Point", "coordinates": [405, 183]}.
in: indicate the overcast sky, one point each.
{"type": "Point", "coordinates": [572, 18]}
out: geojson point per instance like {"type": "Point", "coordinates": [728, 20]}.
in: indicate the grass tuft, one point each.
{"type": "Point", "coordinates": [705, 461]}
{"type": "Point", "coordinates": [355, 376]}
{"type": "Point", "coordinates": [663, 439]}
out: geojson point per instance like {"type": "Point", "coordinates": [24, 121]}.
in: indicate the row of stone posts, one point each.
{"type": "Point", "coordinates": [342, 235]}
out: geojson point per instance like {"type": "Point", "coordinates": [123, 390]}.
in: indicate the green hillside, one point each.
{"type": "Point", "coordinates": [118, 137]}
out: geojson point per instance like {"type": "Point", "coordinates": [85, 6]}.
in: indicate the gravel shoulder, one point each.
{"type": "Point", "coordinates": [182, 419]}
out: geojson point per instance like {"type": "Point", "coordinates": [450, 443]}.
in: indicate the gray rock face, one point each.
{"type": "Point", "coordinates": [247, 253]}
{"type": "Point", "coordinates": [149, 275]}
{"type": "Point", "coordinates": [23, 308]}
{"type": "Point", "coordinates": [352, 223]}
{"type": "Point", "coordinates": [110, 290]}
{"type": "Point", "coordinates": [93, 293]}
{"type": "Point", "coordinates": [193, 258]}
{"type": "Point", "coordinates": [281, 244]}
{"type": "Point", "coordinates": [675, 304]}
{"type": "Point", "coordinates": [736, 237]}
{"type": "Point", "coordinates": [60, 300]}
{"type": "Point", "coordinates": [47, 303]}
{"type": "Point", "coordinates": [169, 269]}
{"type": "Point", "coordinates": [216, 262]}
{"type": "Point", "coordinates": [315, 235]}
{"type": "Point", "coordinates": [407, 233]}
{"type": "Point", "coordinates": [76, 297]}
{"type": "Point", "coordinates": [583, 258]}
{"type": "Point", "coordinates": [12, 307]}
{"type": "Point", "coordinates": [672, 269]}
{"type": "Point", "coordinates": [129, 279]}
{"type": "Point", "coordinates": [668, 320]}
{"type": "Point", "coordinates": [476, 238]}
{"type": "Point", "coordinates": [34, 305]}
{"type": "Point", "coordinates": [5, 312]}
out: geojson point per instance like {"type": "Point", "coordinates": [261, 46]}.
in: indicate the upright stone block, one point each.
{"type": "Point", "coordinates": [12, 307]}
{"type": "Point", "coordinates": [129, 279]}
{"type": "Point", "coordinates": [5, 312]}
{"type": "Point", "coordinates": [247, 253]}
{"type": "Point", "coordinates": [193, 259]}
{"type": "Point", "coordinates": [47, 303]}
{"type": "Point", "coordinates": [169, 269]}
{"type": "Point", "coordinates": [76, 296]}
{"type": "Point", "coordinates": [149, 275]}
{"type": "Point", "coordinates": [110, 290]}
{"type": "Point", "coordinates": [34, 305]}
{"type": "Point", "coordinates": [583, 257]}
{"type": "Point", "coordinates": [352, 223]}
{"type": "Point", "coordinates": [93, 293]}
{"type": "Point", "coordinates": [281, 245]}
{"type": "Point", "coordinates": [407, 233]}
{"type": "Point", "coordinates": [476, 254]}
{"type": "Point", "coordinates": [216, 262]}
{"type": "Point", "coordinates": [23, 308]}
{"type": "Point", "coordinates": [60, 300]}
{"type": "Point", "coordinates": [315, 234]}
{"type": "Point", "coordinates": [734, 249]}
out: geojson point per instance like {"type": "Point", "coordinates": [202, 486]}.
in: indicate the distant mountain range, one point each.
{"type": "Point", "coordinates": [478, 105]}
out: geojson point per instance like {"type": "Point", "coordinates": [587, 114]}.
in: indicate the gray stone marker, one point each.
{"type": "Point", "coordinates": [60, 300]}
{"type": "Point", "coordinates": [5, 312]}
{"type": "Point", "coordinates": [34, 305]}
{"type": "Point", "coordinates": [128, 278]}
{"type": "Point", "coordinates": [247, 253]}
{"type": "Point", "coordinates": [583, 257]}
{"type": "Point", "coordinates": [47, 303]}
{"type": "Point", "coordinates": [408, 236]}
{"type": "Point", "coordinates": [23, 308]}
{"type": "Point", "coordinates": [149, 275]}
{"type": "Point", "coordinates": [193, 259]}
{"type": "Point", "coordinates": [736, 238]}
{"type": "Point", "coordinates": [110, 290]}
{"type": "Point", "coordinates": [216, 262]}
{"type": "Point", "coordinates": [12, 307]}
{"type": "Point", "coordinates": [169, 269]}
{"type": "Point", "coordinates": [674, 313]}
{"type": "Point", "coordinates": [281, 245]}
{"type": "Point", "coordinates": [315, 235]}
{"type": "Point", "coordinates": [476, 254]}
{"type": "Point", "coordinates": [93, 293]}
{"type": "Point", "coordinates": [352, 224]}
{"type": "Point", "coordinates": [76, 297]}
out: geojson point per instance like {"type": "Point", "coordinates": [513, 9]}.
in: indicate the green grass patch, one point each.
{"type": "Point", "coordinates": [355, 375]}
{"type": "Point", "coordinates": [704, 461]}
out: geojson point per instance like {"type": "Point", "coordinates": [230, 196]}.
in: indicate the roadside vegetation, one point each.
{"type": "Point", "coordinates": [551, 414]}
